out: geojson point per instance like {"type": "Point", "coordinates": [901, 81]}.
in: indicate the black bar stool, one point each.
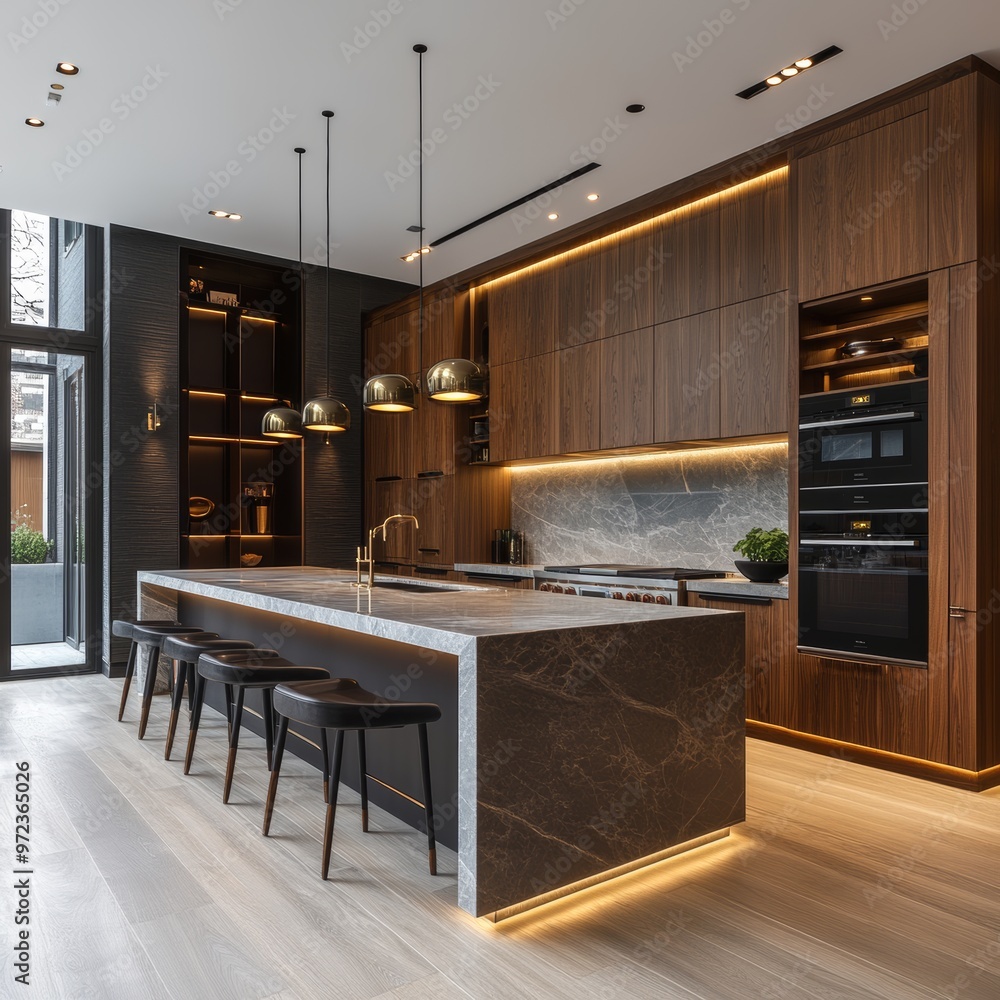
{"type": "Point", "coordinates": [240, 670]}
{"type": "Point", "coordinates": [185, 650]}
{"type": "Point", "coordinates": [342, 704]}
{"type": "Point", "coordinates": [152, 636]}
{"type": "Point", "coordinates": [122, 627]}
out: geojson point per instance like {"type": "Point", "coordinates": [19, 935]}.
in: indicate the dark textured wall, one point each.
{"type": "Point", "coordinates": [141, 366]}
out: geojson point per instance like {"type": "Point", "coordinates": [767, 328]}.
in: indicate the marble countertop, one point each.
{"type": "Point", "coordinates": [445, 616]}
{"type": "Point", "coordinates": [524, 572]}
{"type": "Point", "coordinates": [740, 586]}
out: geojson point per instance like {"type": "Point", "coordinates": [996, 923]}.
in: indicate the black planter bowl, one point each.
{"type": "Point", "coordinates": [762, 572]}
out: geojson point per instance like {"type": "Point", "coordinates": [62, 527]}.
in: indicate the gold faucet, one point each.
{"type": "Point", "coordinates": [366, 557]}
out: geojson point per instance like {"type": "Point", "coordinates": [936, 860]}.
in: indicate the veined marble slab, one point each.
{"type": "Point", "coordinates": [591, 734]}
{"type": "Point", "coordinates": [739, 586]}
{"type": "Point", "coordinates": [524, 572]}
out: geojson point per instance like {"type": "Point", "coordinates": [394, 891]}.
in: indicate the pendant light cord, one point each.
{"type": "Point", "coordinates": [329, 254]}
{"type": "Point", "coordinates": [302, 278]}
{"type": "Point", "coordinates": [420, 50]}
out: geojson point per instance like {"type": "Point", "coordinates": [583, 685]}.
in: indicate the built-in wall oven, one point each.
{"type": "Point", "coordinates": [863, 585]}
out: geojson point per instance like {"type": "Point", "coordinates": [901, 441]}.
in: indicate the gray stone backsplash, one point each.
{"type": "Point", "coordinates": [676, 509]}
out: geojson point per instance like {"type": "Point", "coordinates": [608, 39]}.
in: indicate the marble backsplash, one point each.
{"type": "Point", "coordinates": [677, 509]}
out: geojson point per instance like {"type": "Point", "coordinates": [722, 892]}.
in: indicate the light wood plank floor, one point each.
{"type": "Point", "coordinates": [845, 882]}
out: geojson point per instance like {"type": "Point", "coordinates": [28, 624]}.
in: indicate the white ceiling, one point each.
{"type": "Point", "coordinates": [223, 66]}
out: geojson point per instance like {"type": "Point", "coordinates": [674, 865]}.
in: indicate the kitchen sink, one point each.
{"type": "Point", "coordinates": [412, 588]}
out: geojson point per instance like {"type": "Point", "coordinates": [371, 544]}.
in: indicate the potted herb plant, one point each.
{"type": "Point", "coordinates": [766, 555]}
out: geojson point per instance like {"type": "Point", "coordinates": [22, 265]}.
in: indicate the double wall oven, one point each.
{"type": "Point", "coordinates": [863, 524]}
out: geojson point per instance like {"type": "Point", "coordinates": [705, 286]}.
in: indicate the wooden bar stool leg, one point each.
{"type": "Point", "coordinates": [147, 689]}
{"type": "Point", "coordinates": [129, 671]}
{"type": "Point", "coordinates": [425, 771]}
{"type": "Point", "coordinates": [324, 747]}
{"type": "Point", "coordinates": [272, 786]}
{"type": "Point", "coordinates": [229, 711]}
{"type": "Point", "coordinates": [363, 775]}
{"type": "Point", "coordinates": [234, 742]}
{"type": "Point", "coordinates": [199, 701]}
{"type": "Point", "coordinates": [268, 713]}
{"type": "Point", "coordinates": [175, 706]}
{"type": "Point", "coordinates": [331, 805]}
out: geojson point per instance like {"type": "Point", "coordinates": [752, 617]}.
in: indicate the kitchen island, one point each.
{"type": "Point", "coordinates": [579, 737]}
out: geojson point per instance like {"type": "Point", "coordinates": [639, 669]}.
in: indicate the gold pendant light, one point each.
{"type": "Point", "coordinates": [324, 413]}
{"type": "Point", "coordinates": [283, 421]}
{"type": "Point", "coordinates": [456, 380]}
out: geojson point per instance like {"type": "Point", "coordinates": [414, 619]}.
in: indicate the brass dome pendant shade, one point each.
{"type": "Point", "coordinates": [324, 413]}
{"type": "Point", "coordinates": [283, 421]}
{"type": "Point", "coordinates": [390, 394]}
{"type": "Point", "coordinates": [456, 380]}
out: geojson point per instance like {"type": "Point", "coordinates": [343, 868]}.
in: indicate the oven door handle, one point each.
{"type": "Point", "coordinates": [862, 543]}
{"type": "Point", "coordinates": [884, 418]}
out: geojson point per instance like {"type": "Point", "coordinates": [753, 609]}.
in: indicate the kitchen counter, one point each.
{"type": "Point", "coordinates": [523, 572]}
{"type": "Point", "coordinates": [739, 586]}
{"type": "Point", "coordinates": [577, 736]}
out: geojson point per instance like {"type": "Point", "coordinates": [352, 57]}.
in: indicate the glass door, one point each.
{"type": "Point", "coordinates": [45, 562]}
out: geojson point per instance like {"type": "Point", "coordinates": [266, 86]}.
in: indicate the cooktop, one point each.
{"type": "Point", "coordinates": [650, 572]}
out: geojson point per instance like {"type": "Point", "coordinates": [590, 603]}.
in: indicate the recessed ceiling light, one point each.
{"type": "Point", "coordinates": [425, 249]}
{"type": "Point", "coordinates": [793, 69]}
{"type": "Point", "coordinates": [232, 216]}
{"type": "Point", "coordinates": [867, 298]}
{"type": "Point", "coordinates": [235, 216]}
{"type": "Point", "coordinates": [635, 109]}
{"type": "Point", "coordinates": [553, 216]}
{"type": "Point", "coordinates": [34, 122]}
{"type": "Point", "coordinates": [593, 197]}
{"type": "Point", "coordinates": [56, 86]}
{"type": "Point", "coordinates": [67, 68]}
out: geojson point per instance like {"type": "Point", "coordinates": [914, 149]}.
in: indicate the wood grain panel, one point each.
{"type": "Point", "coordinates": [965, 567]}
{"type": "Point", "coordinates": [388, 438]}
{"type": "Point", "coordinates": [505, 415]}
{"type": "Point", "coordinates": [823, 138]}
{"type": "Point", "coordinates": [26, 487]}
{"type": "Point", "coordinates": [580, 378]}
{"type": "Point", "coordinates": [639, 262]}
{"type": "Point", "coordinates": [687, 279]}
{"type": "Point", "coordinates": [432, 501]}
{"type": "Point", "coordinates": [539, 290]}
{"type": "Point", "coordinates": [753, 345]}
{"type": "Point", "coordinates": [687, 378]}
{"type": "Point", "coordinates": [904, 710]}
{"type": "Point", "coordinates": [506, 320]}
{"type": "Point", "coordinates": [862, 210]}
{"type": "Point", "coordinates": [841, 700]}
{"type": "Point", "coordinates": [754, 239]}
{"type": "Point", "coordinates": [939, 540]}
{"type": "Point", "coordinates": [988, 221]}
{"type": "Point", "coordinates": [585, 281]}
{"type": "Point", "coordinates": [434, 440]}
{"type": "Point", "coordinates": [951, 177]}
{"type": "Point", "coordinates": [627, 393]}
{"type": "Point", "coordinates": [482, 503]}
{"type": "Point", "coordinates": [392, 497]}
{"type": "Point", "coordinates": [540, 406]}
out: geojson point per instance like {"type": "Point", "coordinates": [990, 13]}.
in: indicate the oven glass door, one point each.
{"type": "Point", "coordinates": [865, 601]}
{"type": "Point", "coordinates": [881, 449]}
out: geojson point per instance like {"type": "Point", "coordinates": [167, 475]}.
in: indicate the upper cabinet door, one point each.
{"type": "Point", "coordinates": [687, 372]}
{"type": "Point", "coordinates": [753, 350]}
{"type": "Point", "coordinates": [862, 209]}
{"type": "Point", "coordinates": [686, 262]}
{"type": "Point", "coordinates": [627, 393]}
{"type": "Point", "coordinates": [580, 398]}
{"type": "Point", "coordinates": [586, 280]}
{"type": "Point", "coordinates": [754, 247]}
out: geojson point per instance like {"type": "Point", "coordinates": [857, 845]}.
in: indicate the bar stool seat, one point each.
{"type": "Point", "coordinates": [241, 670]}
{"type": "Point", "coordinates": [122, 628]}
{"type": "Point", "coordinates": [343, 705]}
{"type": "Point", "coordinates": [153, 637]}
{"type": "Point", "coordinates": [185, 650]}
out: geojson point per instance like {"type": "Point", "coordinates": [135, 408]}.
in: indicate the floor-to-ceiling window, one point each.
{"type": "Point", "coordinates": [52, 317]}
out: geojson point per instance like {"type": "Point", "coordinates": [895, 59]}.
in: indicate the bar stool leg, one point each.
{"type": "Point", "coordinates": [195, 721]}
{"type": "Point", "coordinates": [175, 705]}
{"type": "Point", "coordinates": [272, 785]}
{"type": "Point", "coordinates": [234, 742]}
{"type": "Point", "coordinates": [331, 805]}
{"type": "Point", "coordinates": [147, 689]}
{"type": "Point", "coordinates": [229, 711]}
{"type": "Point", "coordinates": [425, 771]}
{"type": "Point", "coordinates": [324, 746]}
{"type": "Point", "coordinates": [268, 713]}
{"type": "Point", "coordinates": [363, 775]}
{"type": "Point", "coordinates": [129, 671]}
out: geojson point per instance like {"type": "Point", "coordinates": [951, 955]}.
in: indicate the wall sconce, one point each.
{"type": "Point", "coordinates": [152, 418]}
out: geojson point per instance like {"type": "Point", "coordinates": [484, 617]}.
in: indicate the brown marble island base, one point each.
{"type": "Point", "coordinates": [578, 736]}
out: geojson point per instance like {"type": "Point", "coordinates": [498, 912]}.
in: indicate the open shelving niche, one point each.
{"type": "Point", "coordinates": [237, 361]}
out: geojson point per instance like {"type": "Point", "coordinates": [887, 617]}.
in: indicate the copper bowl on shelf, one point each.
{"type": "Point", "coordinates": [199, 507]}
{"type": "Point", "coordinates": [250, 559]}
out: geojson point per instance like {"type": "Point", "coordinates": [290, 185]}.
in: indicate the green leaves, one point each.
{"type": "Point", "coordinates": [759, 545]}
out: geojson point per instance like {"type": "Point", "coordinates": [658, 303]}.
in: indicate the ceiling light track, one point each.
{"type": "Point", "coordinates": [789, 71]}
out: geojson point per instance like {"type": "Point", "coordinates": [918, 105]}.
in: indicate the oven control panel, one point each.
{"type": "Point", "coordinates": [638, 593]}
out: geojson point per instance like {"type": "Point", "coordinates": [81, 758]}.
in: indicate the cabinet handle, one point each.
{"type": "Point", "coordinates": [732, 598]}
{"type": "Point", "coordinates": [954, 612]}
{"type": "Point", "coordinates": [430, 474]}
